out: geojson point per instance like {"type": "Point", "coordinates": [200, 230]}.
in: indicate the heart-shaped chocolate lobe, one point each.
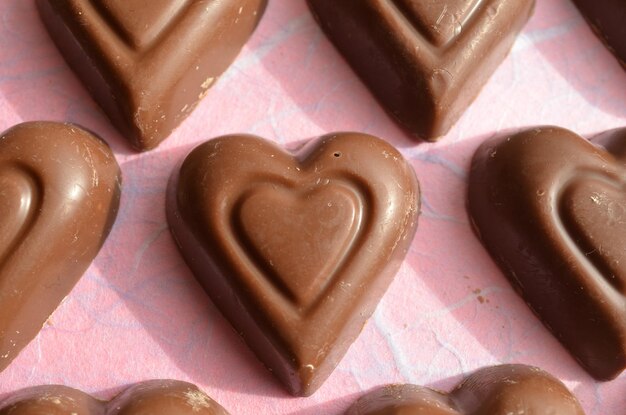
{"type": "Point", "coordinates": [59, 194]}
{"type": "Point", "coordinates": [155, 397]}
{"type": "Point", "coordinates": [550, 208]}
{"type": "Point", "coordinates": [148, 63]}
{"type": "Point", "coordinates": [295, 250]}
{"type": "Point", "coordinates": [497, 390]}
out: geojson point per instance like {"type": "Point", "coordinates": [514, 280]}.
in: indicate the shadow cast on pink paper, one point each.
{"type": "Point", "coordinates": [36, 81]}
{"type": "Point", "coordinates": [570, 46]}
{"type": "Point", "coordinates": [156, 286]}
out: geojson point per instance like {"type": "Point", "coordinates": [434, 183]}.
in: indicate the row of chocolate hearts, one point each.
{"type": "Point", "coordinates": [296, 250]}
{"type": "Point", "coordinates": [128, 53]}
{"type": "Point", "coordinates": [498, 390]}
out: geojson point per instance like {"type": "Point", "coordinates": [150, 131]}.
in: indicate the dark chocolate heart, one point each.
{"type": "Point", "coordinates": [155, 397]}
{"type": "Point", "coordinates": [498, 390]}
{"type": "Point", "coordinates": [59, 194]}
{"type": "Point", "coordinates": [296, 251]}
{"type": "Point", "coordinates": [549, 206]}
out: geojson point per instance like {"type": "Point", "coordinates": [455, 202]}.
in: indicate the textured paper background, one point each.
{"type": "Point", "coordinates": [139, 314]}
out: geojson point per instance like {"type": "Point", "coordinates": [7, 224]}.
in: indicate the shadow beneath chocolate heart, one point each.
{"type": "Point", "coordinates": [37, 83]}
{"type": "Point", "coordinates": [142, 265]}
{"type": "Point", "coordinates": [579, 56]}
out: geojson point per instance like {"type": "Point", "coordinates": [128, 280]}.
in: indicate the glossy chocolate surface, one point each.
{"type": "Point", "coordinates": [607, 18]}
{"type": "Point", "coordinates": [155, 397]}
{"type": "Point", "coordinates": [425, 61]}
{"type": "Point", "coordinates": [149, 62]}
{"type": "Point", "coordinates": [59, 194]}
{"type": "Point", "coordinates": [498, 390]}
{"type": "Point", "coordinates": [551, 209]}
{"type": "Point", "coordinates": [295, 250]}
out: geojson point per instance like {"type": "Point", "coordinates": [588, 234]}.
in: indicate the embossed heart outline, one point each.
{"type": "Point", "coordinates": [124, 20]}
{"type": "Point", "coordinates": [301, 344]}
{"type": "Point", "coordinates": [520, 202]}
{"type": "Point", "coordinates": [432, 27]}
{"type": "Point", "coordinates": [302, 281]}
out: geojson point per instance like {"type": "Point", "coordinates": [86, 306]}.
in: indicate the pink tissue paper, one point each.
{"type": "Point", "coordinates": [138, 313]}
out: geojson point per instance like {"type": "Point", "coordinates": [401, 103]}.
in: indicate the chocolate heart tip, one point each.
{"type": "Point", "coordinates": [60, 188]}
{"type": "Point", "coordinates": [497, 390]}
{"type": "Point", "coordinates": [295, 249]}
{"type": "Point", "coordinates": [155, 397]}
{"type": "Point", "coordinates": [548, 205]}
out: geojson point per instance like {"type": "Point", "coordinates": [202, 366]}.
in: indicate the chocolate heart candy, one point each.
{"type": "Point", "coordinates": [149, 62]}
{"type": "Point", "coordinates": [155, 397]}
{"type": "Point", "coordinates": [425, 61]}
{"type": "Point", "coordinates": [498, 390]}
{"type": "Point", "coordinates": [59, 194]}
{"type": "Point", "coordinates": [296, 250]}
{"type": "Point", "coordinates": [551, 209]}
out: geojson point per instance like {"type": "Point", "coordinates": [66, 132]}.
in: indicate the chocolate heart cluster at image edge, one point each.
{"type": "Point", "coordinates": [59, 196]}
{"type": "Point", "coordinates": [155, 397]}
{"type": "Point", "coordinates": [497, 390]}
{"type": "Point", "coordinates": [549, 206]}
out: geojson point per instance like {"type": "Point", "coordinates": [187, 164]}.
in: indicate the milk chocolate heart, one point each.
{"type": "Point", "coordinates": [424, 60]}
{"type": "Point", "coordinates": [498, 390]}
{"type": "Point", "coordinates": [155, 397]}
{"type": "Point", "coordinates": [149, 62]}
{"type": "Point", "coordinates": [551, 209]}
{"type": "Point", "coordinates": [295, 250]}
{"type": "Point", "coordinates": [59, 194]}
